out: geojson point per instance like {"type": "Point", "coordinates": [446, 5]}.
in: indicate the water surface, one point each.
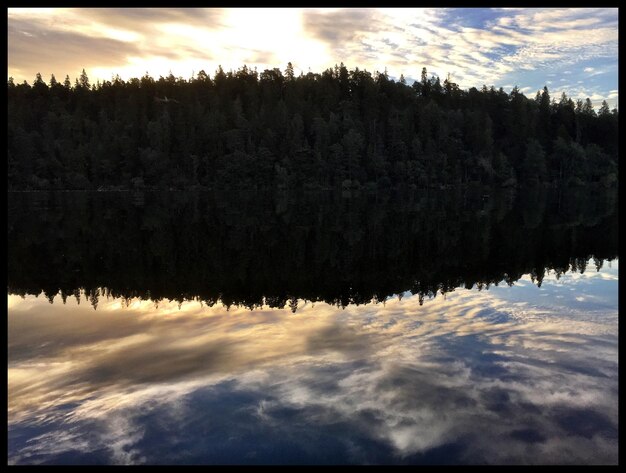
{"type": "Point", "coordinates": [306, 363]}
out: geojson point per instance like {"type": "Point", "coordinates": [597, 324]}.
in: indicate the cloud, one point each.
{"type": "Point", "coordinates": [562, 35]}
{"type": "Point", "coordinates": [144, 19]}
{"type": "Point", "coordinates": [515, 41]}
{"type": "Point", "coordinates": [126, 41]}
{"type": "Point", "coordinates": [32, 45]}
{"type": "Point", "coordinates": [478, 46]}
{"type": "Point", "coordinates": [560, 40]}
{"type": "Point", "coordinates": [341, 26]}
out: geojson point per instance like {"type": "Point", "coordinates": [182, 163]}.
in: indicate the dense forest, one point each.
{"type": "Point", "coordinates": [338, 129]}
{"type": "Point", "coordinates": [276, 248]}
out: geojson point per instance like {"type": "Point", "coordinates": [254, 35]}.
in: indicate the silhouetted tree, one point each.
{"type": "Point", "coordinates": [246, 129]}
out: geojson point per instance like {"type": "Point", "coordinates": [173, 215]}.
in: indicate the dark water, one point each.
{"type": "Point", "coordinates": [453, 327]}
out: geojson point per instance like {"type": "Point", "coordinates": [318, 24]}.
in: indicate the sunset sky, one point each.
{"type": "Point", "coordinates": [571, 50]}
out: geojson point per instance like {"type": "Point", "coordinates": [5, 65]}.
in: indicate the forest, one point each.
{"type": "Point", "coordinates": [341, 128]}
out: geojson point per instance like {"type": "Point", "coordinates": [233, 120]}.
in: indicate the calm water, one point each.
{"type": "Point", "coordinates": [269, 329]}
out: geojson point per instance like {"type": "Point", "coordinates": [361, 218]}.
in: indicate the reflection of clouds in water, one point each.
{"type": "Point", "coordinates": [472, 377]}
{"type": "Point", "coordinates": [585, 296]}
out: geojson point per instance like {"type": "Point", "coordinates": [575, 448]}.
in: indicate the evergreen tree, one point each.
{"type": "Point", "coordinates": [245, 129]}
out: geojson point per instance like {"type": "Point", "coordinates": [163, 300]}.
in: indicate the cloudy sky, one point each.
{"type": "Point", "coordinates": [573, 50]}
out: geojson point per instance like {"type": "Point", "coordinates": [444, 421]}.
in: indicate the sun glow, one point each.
{"type": "Point", "coordinates": [490, 46]}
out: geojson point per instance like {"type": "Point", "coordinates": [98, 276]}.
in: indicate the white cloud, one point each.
{"type": "Point", "coordinates": [402, 40]}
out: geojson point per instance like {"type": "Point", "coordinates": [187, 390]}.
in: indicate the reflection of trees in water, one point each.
{"type": "Point", "coordinates": [255, 248]}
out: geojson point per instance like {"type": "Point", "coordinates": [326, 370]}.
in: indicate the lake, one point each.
{"type": "Point", "coordinates": [455, 327]}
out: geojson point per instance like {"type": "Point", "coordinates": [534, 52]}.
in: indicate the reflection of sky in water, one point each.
{"type": "Point", "coordinates": [507, 375]}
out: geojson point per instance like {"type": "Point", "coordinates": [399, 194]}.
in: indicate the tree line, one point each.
{"type": "Point", "coordinates": [339, 128]}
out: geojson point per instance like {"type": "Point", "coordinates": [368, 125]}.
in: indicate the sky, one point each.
{"type": "Point", "coordinates": [571, 50]}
